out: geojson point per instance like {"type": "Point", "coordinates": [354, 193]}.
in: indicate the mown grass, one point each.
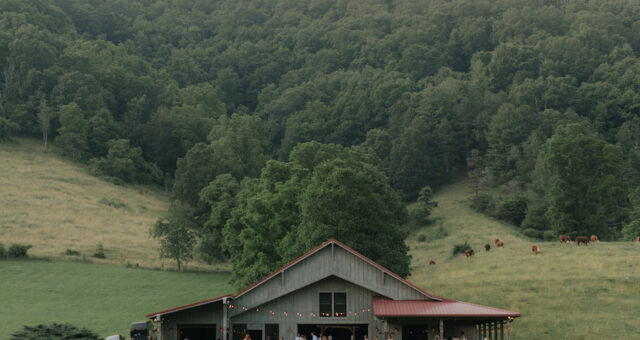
{"type": "Point", "coordinates": [54, 204]}
{"type": "Point", "coordinates": [103, 298]}
{"type": "Point", "coordinates": [564, 292]}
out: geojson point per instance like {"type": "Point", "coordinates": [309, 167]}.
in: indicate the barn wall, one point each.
{"type": "Point", "coordinates": [207, 314]}
{"type": "Point", "coordinates": [302, 307]}
{"type": "Point", "coordinates": [331, 260]}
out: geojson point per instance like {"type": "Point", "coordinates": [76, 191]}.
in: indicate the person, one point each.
{"type": "Point", "coordinates": [366, 337]}
{"type": "Point", "coordinates": [462, 336]}
{"type": "Point", "coordinates": [437, 337]}
{"type": "Point", "coordinates": [314, 336]}
{"type": "Point", "coordinates": [298, 337]}
{"type": "Point", "coordinates": [247, 337]}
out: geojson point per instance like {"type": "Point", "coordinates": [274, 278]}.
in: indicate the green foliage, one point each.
{"type": "Point", "coordinates": [512, 210]}
{"type": "Point", "coordinates": [460, 248]}
{"type": "Point", "coordinates": [175, 232]}
{"type": "Point", "coordinates": [587, 187]}
{"type": "Point", "coordinates": [419, 212]}
{"type": "Point", "coordinates": [55, 331]}
{"type": "Point", "coordinates": [73, 132]}
{"type": "Point", "coordinates": [433, 233]}
{"type": "Point", "coordinates": [324, 191]}
{"type": "Point", "coordinates": [631, 229]}
{"type": "Point", "coordinates": [3, 252]}
{"type": "Point", "coordinates": [71, 252]}
{"type": "Point", "coordinates": [126, 163]}
{"type": "Point", "coordinates": [529, 232]}
{"type": "Point", "coordinates": [18, 251]}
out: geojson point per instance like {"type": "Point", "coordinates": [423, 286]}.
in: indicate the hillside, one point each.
{"type": "Point", "coordinates": [54, 204]}
{"type": "Point", "coordinates": [105, 299]}
{"type": "Point", "coordinates": [564, 292]}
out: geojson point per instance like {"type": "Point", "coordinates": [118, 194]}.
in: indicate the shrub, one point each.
{"type": "Point", "coordinates": [99, 254]}
{"type": "Point", "coordinates": [549, 235]}
{"type": "Point", "coordinates": [422, 238]}
{"type": "Point", "coordinates": [434, 233]}
{"type": "Point", "coordinates": [460, 248]}
{"type": "Point", "coordinates": [18, 251]}
{"type": "Point", "coordinates": [54, 331]}
{"type": "Point", "coordinates": [3, 252]}
{"type": "Point", "coordinates": [72, 252]}
{"type": "Point", "coordinates": [529, 232]}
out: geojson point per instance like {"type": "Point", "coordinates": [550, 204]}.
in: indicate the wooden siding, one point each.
{"type": "Point", "coordinates": [206, 315]}
{"type": "Point", "coordinates": [329, 261]}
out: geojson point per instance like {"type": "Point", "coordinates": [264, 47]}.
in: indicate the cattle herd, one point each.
{"type": "Point", "coordinates": [535, 249]}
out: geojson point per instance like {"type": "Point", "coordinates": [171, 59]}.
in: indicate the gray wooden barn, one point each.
{"type": "Point", "coordinates": [334, 291]}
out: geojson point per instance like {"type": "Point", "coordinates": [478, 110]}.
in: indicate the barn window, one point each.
{"type": "Point", "coordinates": [325, 304]}
{"type": "Point", "coordinates": [340, 304]}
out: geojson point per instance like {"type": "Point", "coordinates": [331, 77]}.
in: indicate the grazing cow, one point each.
{"type": "Point", "coordinates": [637, 238]}
{"type": "Point", "coordinates": [496, 241]}
{"type": "Point", "coordinates": [582, 239]}
{"type": "Point", "coordinates": [487, 247]}
{"type": "Point", "coordinates": [432, 262]}
{"type": "Point", "coordinates": [500, 244]}
{"type": "Point", "coordinates": [594, 238]}
{"type": "Point", "coordinates": [468, 253]}
{"type": "Point", "coordinates": [564, 239]}
{"type": "Point", "coordinates": [535, 249]}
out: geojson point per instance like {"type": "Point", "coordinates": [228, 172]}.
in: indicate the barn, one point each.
{"type": "Point", "coordinates": [335, 291]}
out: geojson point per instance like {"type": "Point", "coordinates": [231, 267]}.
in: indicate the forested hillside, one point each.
{"type": "Point", "coordinates": [538, 101]}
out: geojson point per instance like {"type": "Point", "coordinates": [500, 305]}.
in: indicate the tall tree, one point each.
{"type": "Point", "coordinates": [175, 232]}
{"type": "Point", "coordinates": [587, 192]}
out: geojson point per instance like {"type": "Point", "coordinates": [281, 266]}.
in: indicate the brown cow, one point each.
{"type": "Point", "coordinates": [637, 238]}
{"type": "Point", "coordinates": [500, 244]}
{"type": "Point", "coordinates": [535, 249]}
{"type": "Point", "coordinates": [496, 241]}
{"type": "Point", "coordinates": [564, 239]}
{"type": "Point", "coordinates": [432, 262]}
{"type": "Point", "coordinates": [582, 239]}
{"type": "Point", "coordinates": [487, 247]}
{"type": "Point", "coordinates": [594, 238]}
{"type": "Point", "coordinates": [468, 253]}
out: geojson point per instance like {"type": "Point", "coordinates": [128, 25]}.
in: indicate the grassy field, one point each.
{"type": "Point", "coordinates": [103, 298]}
{"type": "Point", "coordinates": [54, 204]}
{"type": "Point", "coordinates": [564, 292]}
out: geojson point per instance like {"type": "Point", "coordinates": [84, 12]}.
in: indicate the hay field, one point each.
{"type": "Point", "coordinates": [54, 204]}
{"type": "Point", "coordinates": [564, 292]}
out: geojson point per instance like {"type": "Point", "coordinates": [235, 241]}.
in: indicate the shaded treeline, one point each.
{"type": "Point", "coordinates": [536, 100]}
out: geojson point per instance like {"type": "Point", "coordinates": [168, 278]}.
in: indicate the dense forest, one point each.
{"type": "Point", "coordinates": [291, 121]}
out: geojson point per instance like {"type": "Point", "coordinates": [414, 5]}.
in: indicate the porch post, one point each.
{"type": "Point", "coordinates": [478, 331]}
{"type": "Point", "coordinates": [508, 332]}
{"type": "Point", "coordinates": [159, 320]}
{"type": "Point", "coordinates": [225, 319]}
{"type": "Point", "coordinates": [441, 329]}
{"type": "Point", "coordinates": [501, 330]}
{"type": "Point", "coordinates": [495, 330]}
{"type": "Point", "coordinates": [483, 330]}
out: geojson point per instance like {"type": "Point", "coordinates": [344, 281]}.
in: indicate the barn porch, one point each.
{"type": "Point", "coordinates": [425, 319]}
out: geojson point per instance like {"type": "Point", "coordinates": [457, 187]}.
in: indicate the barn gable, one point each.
{"type": "Point", "coordinates": [332, 258]}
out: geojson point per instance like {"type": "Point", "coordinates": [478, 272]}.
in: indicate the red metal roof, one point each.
{"type": "Point", "coordinates": [191, 305]}
{"type": "Point", "coordinates": [427, 308]}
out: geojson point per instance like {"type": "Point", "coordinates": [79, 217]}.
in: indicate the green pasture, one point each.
{"type": "Point", "coordinates": [564, 292]}
{"type": "Point", "coordinates": [101, 297]}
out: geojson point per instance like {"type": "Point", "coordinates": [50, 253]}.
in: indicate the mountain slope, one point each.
{"type": "Point", "coordinates": [55, 205]}
{"type": "Point", "coordinates": [564, 292]}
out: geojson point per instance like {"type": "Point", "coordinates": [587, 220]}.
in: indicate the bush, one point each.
{"type": "Point", "coordinates": [422, 238]}
{"type": "Point", "coordinates": [72, 252]}
{"type": "Point", "coordinates": [18, 251]}
{"type": "Point", "coordinates": [549, 235]}
{"type": "Point", "coordinates": [460, 248]}
{"type": "Point", "coordinates": [99, 254]}
{"type": "Point", "coordinates": [529, 232]}
{"type": "Point", "coordinates": [434, 233]}
{"type": "Point", "coordinates": [3, 252]}
{"type": "Point", "coordinates": [54, 331]}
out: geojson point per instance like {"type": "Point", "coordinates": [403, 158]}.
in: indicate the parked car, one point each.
{"type": "Point", "coordinates": [142, 330]}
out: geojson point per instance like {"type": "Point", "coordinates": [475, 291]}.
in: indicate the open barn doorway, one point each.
{"type": "Point", "coordinates": [334, 331]}
{"type": "Point", "coordinates": [196, 332]}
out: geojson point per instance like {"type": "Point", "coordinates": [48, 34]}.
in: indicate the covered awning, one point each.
{"type": "Point", "coordinates": [383, 307]}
